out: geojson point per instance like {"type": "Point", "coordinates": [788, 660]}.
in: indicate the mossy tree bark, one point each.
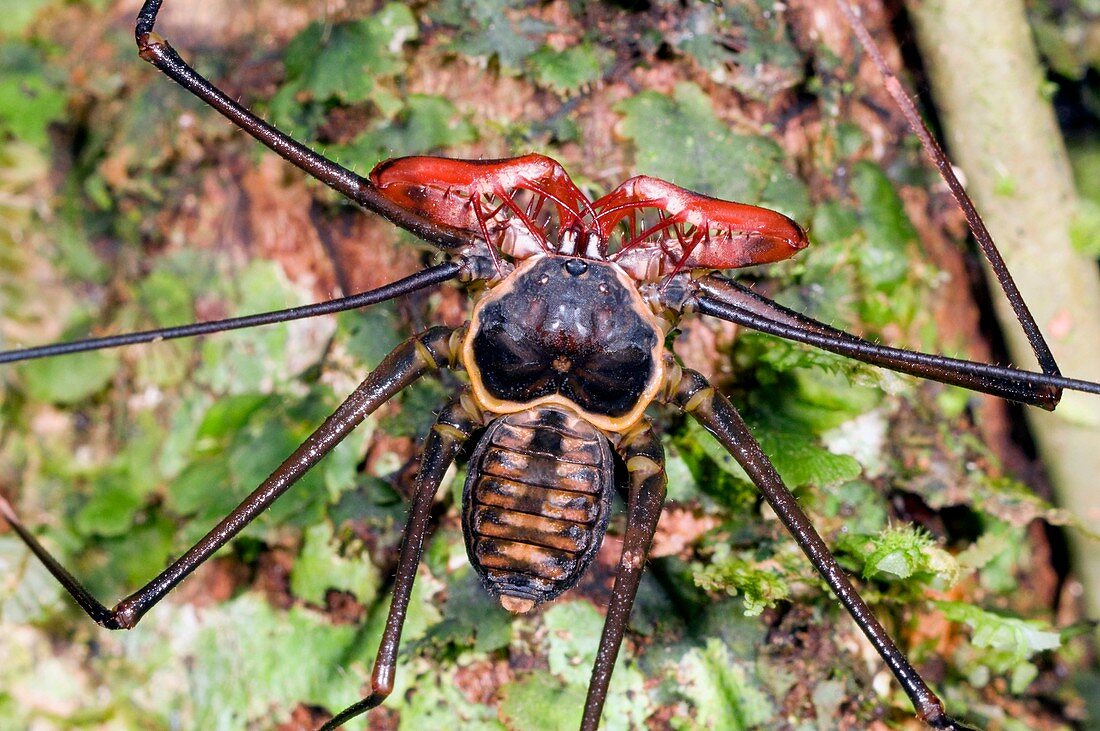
{"type": "Point", "coordinates": [989, 88]}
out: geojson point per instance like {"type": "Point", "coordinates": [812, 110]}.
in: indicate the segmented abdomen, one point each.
{"type": "Point", "coordinates": [536, 504]}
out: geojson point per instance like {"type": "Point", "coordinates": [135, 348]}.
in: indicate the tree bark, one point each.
{"type": "Point", "coordinates": [990, 91]}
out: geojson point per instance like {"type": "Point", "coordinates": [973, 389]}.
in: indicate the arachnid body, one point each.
{"type": "Point", "coordinates": [564, 351]}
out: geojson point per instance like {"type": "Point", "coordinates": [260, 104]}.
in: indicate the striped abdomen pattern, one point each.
{"type": "Point", "coordinates": [536, 504]}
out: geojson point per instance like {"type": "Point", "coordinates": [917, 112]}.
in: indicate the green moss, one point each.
{"type": "Point", "coordinates": [570, 70]}
{"type": "Point", "coordinates": [680, 138]}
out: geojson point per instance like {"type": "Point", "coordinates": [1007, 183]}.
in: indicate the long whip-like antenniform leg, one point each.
{"type": "Point", "coordinates": [405, 364]}
{"type": "Point", "coordinates": [728, 300]}
{"type": "Point", "coordinates": [939, 159]}
{"type": "Point", "coordinates": [451, 430]}
{"type": "Point", "coordinates": [425, 278]}
{"type": "Point", "coordinates": [641, 451]}
{"type": "Point", "coordinates": [717, 415]}
{"type": "Point", "coordinates": [154, 49]}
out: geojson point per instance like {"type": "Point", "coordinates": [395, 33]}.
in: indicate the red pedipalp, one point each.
{"type": "Point", "coordinates": [766, 237]}
{"type": "Point", "coordinates": [707, 233]}
{"type": "Point", "coordinates": [439, 188]}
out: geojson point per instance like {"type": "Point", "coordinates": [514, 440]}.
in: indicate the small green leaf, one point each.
{"type": "Point", "coordinates": [28, 592]}
{"type": "Point", "coordinates": [569, 70]}
{"type": "Point", "coordinates": [322, 566]}
{"type": "Point", "coordinates": [226, 416]}
{"type": "Point", "coordinates": [1004, 644]}
{"type": "Point", "coordinates": [796, 454]}
{"type": "Point", "coordinates": [468, 612]}
{"type": "Point", "coordinates": [344, 61]}
{"type": "Point", "coordinates": [135, 555]}
{"type": "Point", "coordinates": [1084, 230]}
{"type": "Point", "coordinates": [1021, 637]}
{"type": "Point", "coordinates": [701, 452]}
{"type": "Point", "coordinates": [574, 628]}
{"type": "Point", "coordinates": [201, 488]}
{"type": "Point", "coordinates": [426, 124]}
{"type": "Point", "coordinates": [261, 358]}
{"type": "Point", "coordinates": [861, 507]}
{"type": "Point", "coordinates": [997, 556]}
{"type": "Point", "coordinates": [764, 63]}
{"type": "Point", "coordinates": [29, 100]}
{"type": "Point", "coordinates": [69, 379]}
{"type": "Point", "coordinates": [490, 29]}
{"type": "Point", "coordinates": [419, 403]}
{"type": "Point", "coordinates": [372, 333]}
{"type": "Point", "coordinates": [901, 552]}
{"type": "Point", "coordinates": [257, 451]}
{"type": "Point", "coordinates": [254, 659]}
{"type": "Point", "coordinates": [541, 702]}
{"type": "Point", "coordinates": [110, 512]}
{"type": "Point", "coordinates": [760, 587]}
{"type": "Point", "coordinates": [722, 690]}
{"type": "Point", "coordinates": [572, 641]}
{"type": "Point", "coordinates": [884, 258]}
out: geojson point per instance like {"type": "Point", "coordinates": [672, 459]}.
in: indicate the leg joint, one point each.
{"type": "Point", "coordinates": [437, 347]}
{"type": "Point", "coordinates": [692, 392]}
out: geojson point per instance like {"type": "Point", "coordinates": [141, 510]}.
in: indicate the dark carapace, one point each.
{"type": "Point", "coordinates": [561, 348]}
